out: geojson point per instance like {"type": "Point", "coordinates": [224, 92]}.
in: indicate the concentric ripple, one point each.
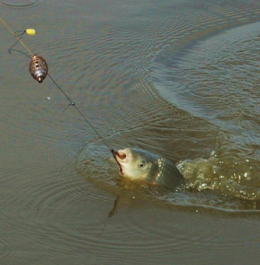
{"type": "Point", "coordinates": [214, 78]}
{"type": "Point", "coordinates": [19, 3]}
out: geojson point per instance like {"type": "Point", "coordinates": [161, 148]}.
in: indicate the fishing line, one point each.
{"type": "Point", "coordinates": [17, 37]}
{"type": "Point", "coordinates": [39, 71]}
{"type": "Point", "coordinates": [71, 103]}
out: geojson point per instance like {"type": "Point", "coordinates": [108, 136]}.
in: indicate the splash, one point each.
{"type": "Point", "coordinates": [231, 177]}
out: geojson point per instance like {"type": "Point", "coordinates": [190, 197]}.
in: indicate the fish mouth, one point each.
{"type": "Point", "coordinates": [118, 155]}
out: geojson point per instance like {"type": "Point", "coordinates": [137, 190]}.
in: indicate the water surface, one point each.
{"type": "Point", "coordinates": [177, 78]}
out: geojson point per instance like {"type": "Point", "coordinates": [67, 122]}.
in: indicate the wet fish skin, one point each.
{"type": "Point", "coordinates": [138, 164]}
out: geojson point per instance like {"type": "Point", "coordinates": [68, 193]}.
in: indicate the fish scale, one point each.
{"type": "Point", "coordinates": [168, 175]}
{"type": "Point", "coordinates": [138, 164]}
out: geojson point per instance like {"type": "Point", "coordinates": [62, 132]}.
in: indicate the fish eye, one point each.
{"type": "Point", "coordinates": [141, 164]}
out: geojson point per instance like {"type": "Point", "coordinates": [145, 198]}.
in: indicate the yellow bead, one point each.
{"type": "Point", "coordinates": [30, 31]}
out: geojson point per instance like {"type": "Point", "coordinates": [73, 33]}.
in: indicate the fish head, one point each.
{"type": "Point", "coordinates": [135, 163]}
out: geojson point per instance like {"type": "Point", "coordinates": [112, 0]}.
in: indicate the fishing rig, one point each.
{"type": "Point", "coordinates": [39, 70]}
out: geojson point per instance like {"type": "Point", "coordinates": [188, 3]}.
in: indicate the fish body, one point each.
{"type": "Point", "coordinates": [138, 164]}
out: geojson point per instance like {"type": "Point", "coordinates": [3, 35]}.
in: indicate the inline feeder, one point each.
{"type": "Point", "coordinates": [38, 68]}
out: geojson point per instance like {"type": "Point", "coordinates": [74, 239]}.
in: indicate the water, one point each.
{"type": "Point", "coordinates": [177, 78]}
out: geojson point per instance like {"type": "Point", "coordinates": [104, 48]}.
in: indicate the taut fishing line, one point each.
{"type": "Point", "coordinates": [39, 70]}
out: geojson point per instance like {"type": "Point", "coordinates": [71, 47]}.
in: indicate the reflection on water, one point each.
{"type": "Point", "coordinates": [175, 78]}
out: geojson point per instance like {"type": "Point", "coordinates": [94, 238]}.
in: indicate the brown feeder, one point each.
{"type": "Point", "coordinates": [38, 68]}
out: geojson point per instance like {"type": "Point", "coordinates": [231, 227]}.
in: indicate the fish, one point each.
{"type": "Point", "coordinates": [138, 164]}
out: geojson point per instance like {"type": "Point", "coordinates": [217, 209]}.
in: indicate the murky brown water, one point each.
{"type": "Point", "coordinates": [177, 78]}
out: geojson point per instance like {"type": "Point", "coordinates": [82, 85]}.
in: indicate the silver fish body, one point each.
{"type": "Point", "coordinates": [138, 164]}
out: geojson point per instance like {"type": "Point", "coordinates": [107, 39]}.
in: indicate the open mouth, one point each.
{"type": "Point", "coordinates": [118, 156]}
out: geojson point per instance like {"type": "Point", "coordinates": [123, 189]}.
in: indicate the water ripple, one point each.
{"type": "Point", "coordinates": [19, 3]}
{"type": "Point", "coordinates": [6, 252]}
{"type": "Point", "coordinates": [115, 61]}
